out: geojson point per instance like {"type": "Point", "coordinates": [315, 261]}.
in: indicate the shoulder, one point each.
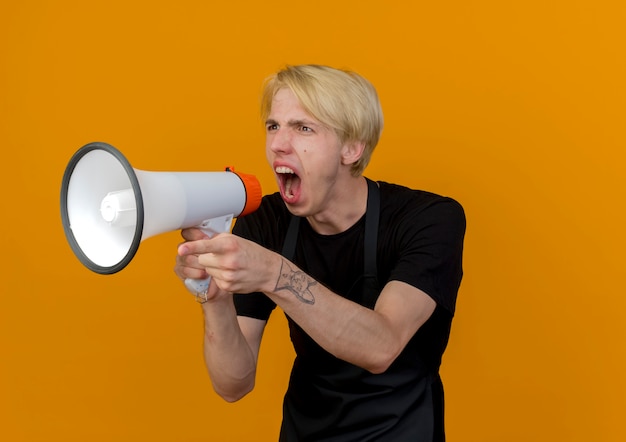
{"type": "Point", "coordinates": [400, 202]}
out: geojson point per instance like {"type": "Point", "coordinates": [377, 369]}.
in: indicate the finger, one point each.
{"type": "Point", "coordinates": [184, 271]}
{"type": "Point", "coordinates": [196, 247]}
{"type": "Point", "coordinates": [219, 244]}
{"type": "Point", "coordinates": [193, 273]}
{"type": "Point", "coordinates": [193, 234]}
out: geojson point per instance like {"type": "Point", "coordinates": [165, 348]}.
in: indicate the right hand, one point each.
{"type": "Point", "coordinates": [187, 266]}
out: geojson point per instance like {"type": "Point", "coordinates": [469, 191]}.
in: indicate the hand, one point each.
{"type": "Point", "coordinates": [187, 266]}
{"type": "Point", "coordinates": [235, 264]}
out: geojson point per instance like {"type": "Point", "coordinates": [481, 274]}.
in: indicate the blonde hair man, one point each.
{"type": "Point", "coordinates": [367, 272]}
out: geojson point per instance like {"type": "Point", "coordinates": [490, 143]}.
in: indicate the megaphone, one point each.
{"type": "Point", "coordinates": [108, 207]}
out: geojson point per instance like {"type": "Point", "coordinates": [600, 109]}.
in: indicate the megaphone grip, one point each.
{"type": "Point", "coordinates": [199, 287]}
{"type": "Point", "coordinates": [210, 227]}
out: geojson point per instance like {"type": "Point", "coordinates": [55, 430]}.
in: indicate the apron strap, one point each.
{"type": "Point", "coordinates": [371, 228]}
{"type": "Point", "coordinates": [289, 246]}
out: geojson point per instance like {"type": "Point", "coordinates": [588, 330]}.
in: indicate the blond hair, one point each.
{"type": "Point", "coordinates": [341, 100]}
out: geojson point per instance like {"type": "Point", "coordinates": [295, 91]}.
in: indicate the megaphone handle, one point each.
{"type": "Point", "coordinates": [210, 227]}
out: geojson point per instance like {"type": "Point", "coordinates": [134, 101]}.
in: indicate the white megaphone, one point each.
{"type": "Point", "coordinates": [108, 208]}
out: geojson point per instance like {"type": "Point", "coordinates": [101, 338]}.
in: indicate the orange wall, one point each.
{"type": "Point", "coordinates": [517, 109]}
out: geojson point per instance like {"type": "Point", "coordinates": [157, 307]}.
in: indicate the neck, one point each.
{"type": "Point", "coordinates": [349, 205]}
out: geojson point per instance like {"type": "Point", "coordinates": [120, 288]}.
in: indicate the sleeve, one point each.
{"type": "Point", "coordinates": [431, 250]}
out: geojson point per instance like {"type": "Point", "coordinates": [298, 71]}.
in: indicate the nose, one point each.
{"type": "Point", "coordinates": [278, 140]}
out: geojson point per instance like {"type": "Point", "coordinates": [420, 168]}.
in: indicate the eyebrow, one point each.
{"type": "Point", "coordinates": [294, 123]}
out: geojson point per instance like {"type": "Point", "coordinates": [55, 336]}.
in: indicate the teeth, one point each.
{"type": "Point", "coordinates": [284, 169]}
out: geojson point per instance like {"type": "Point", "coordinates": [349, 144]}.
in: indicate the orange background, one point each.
{"type": "Point", "coordinates": [516, 109]}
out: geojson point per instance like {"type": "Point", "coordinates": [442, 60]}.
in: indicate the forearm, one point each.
{"type": "Point", "coordinates": [349, 331]}
{"type": "Point", "coordinates": [228, 357]}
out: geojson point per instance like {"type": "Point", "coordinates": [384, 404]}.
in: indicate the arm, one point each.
{"type": "Point", "coordinates": [368, 338]}
{"type": "Point", "coordinates": [231, 343]}
{"type": "Point", "coordinates": [231, 348]}
{"type": "Point", "coordinates": [371, 339]}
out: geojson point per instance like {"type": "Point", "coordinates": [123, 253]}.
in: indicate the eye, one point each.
{"type": "Point", "coordinates": [271, 127]}
{"type": "Point", "coordinates": [306, 129]}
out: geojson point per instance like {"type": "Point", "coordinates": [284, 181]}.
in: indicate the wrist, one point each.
{"type": "Point", "coordinates": [218, 308]}
{"type": "Point", "coordinates": [273, 275]}
{"type": "Point", "coordinates": [215, 299]}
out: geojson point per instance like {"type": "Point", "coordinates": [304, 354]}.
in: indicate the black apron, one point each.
{"type": "Point", "coordinates": [332, 400]}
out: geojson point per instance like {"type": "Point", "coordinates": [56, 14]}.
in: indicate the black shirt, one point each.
{"type": "Point", "coordinates": [420, 242]}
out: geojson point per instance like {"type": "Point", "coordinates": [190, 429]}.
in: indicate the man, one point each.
{"type": "Point", "coordinates": [366, 272]}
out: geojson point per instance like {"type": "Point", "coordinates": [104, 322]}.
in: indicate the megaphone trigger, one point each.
{"type": "Point", "coordinates": [213, 226]}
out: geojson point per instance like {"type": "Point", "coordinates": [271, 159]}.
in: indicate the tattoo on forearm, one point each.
{"type": "Point", "coordinates": [297, 282]}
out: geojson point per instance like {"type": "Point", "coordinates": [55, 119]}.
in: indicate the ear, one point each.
{"type": "Point", "coordinates": [351, 152]}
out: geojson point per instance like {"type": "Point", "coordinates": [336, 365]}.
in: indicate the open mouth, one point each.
{"type": "Point", "coordinates": [289, 183]}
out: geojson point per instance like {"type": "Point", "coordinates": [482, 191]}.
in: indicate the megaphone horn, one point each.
{"type": "Point", "coordinates": [108, 207]}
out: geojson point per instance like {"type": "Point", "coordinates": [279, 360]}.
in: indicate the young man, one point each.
{"type": "Point", "coordinates": [366, 272]}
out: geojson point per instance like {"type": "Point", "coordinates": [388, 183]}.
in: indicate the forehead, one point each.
{"type": "Point", "coordinates": [285, 103]}
{"type": "Point", "coordinates": [288, 110]}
